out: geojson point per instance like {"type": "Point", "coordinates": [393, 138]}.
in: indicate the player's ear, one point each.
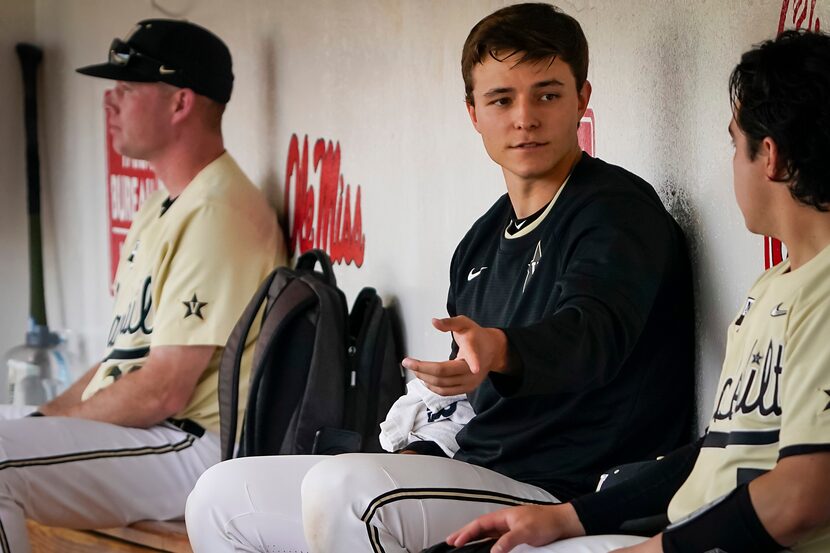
{"type": "Point", "coordinates": [772, 156]}
{"type": "Point", "coordinates": [584, 95]}
{"type": "Point", "coordinates": [182, 103]}
{"type": "Point", "coordinates": [471, 111]}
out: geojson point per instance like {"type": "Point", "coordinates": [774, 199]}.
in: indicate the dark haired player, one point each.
{"type": "Point", "coordinates": [571, 311]}
{"type": "Point", "coordinates": [759, 480]}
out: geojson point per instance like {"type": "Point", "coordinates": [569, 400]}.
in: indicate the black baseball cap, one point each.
{"type": "Point", "coordinates": [171, 51]}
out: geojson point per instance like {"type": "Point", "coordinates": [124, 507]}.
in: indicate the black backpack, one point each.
{"type": "Point", "coordinates": [321, 380]}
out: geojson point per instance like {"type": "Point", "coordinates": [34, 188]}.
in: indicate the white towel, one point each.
{"type": "Point", "coordinates": [423, 415]}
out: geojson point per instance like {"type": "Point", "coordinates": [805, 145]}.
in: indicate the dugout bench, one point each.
{"type": "Point", "coordinates": [141, 537]}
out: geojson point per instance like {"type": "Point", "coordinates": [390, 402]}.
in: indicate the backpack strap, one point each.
{"type": "Point", "coordinates": [229, 369]}
{"type": "Point", "coordinates": [294, 299]}
{"type": "Point", "coordinates": [311, 258]}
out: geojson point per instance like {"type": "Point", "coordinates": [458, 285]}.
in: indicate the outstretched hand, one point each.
{"type": "Point", "coordinates": [531, 524]}
{"type": "Point", "coordinates": [480, 351]}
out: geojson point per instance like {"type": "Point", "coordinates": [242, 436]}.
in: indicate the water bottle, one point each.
{"type": "Point", "coordinates": [38, 370]}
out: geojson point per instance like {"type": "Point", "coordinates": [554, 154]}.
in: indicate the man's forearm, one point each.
{"type": "Point", "coordinates": [126, 402]}
{"type": "Point", "coordinates": [776, 510]}
{"type": "Point", "coordinates": [791, 501]}
{"type": "Point", "coordinates": [144, 397]}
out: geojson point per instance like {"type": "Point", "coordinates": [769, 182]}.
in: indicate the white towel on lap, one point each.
{"type": "Point", "coordinates": [423, 415]}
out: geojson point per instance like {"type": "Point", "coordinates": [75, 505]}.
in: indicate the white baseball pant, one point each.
{"type": "Point", "coordinates": [589, 544]}
{"type": "Point", "coordinates": [347, 503]}
{"type": "Point", "coordinates": [76, 473]}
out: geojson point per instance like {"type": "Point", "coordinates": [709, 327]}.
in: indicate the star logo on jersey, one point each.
{"type": "Point", "coordinates": [531, 267]}
{"type": "Point", "coordinates": [194, 307]}
{"type": "Point", "coordinates": [756, 358]}
{"type": "Point", "coordinates": [474, 274]}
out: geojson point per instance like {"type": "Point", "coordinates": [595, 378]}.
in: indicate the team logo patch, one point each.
{"type": "Point", "coordinates": [531, 267]}
{"type": "Point", "coordinates": [194, 307]}
{"type": "Point", "coordinates": [747, 306]}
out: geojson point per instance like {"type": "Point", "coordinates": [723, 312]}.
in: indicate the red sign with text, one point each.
{"type": "Point", "coordinates": [129, 183]}
{"type": "Point", "coordinates": [325, 216]}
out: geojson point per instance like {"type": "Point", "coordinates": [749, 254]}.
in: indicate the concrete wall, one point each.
{"type": "Point", "coordinates": [382, 79]}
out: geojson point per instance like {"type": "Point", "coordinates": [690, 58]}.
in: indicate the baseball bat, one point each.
{"type": "Point", "coordinates": [30, 58]}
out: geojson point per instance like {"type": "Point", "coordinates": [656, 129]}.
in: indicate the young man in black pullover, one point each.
{"type": "Point", "coordinates": [758, 481]}
{"type": "Point", "coordinates": [571, 310]}
{"type": "Point", "coordinates": [570, 299]}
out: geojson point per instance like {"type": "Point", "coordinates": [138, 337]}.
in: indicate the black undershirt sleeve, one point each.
{"type": "Point", "coordinates": [728, 524]}
{"type": "Point", "coordinates": [615, 265]}
{"type": "Point", "coordinates": [645, 494]}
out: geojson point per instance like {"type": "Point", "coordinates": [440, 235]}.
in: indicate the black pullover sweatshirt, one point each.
{"type": "Point", "coordinates": [596, 302]}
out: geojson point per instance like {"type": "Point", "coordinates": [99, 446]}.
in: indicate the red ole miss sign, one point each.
{"type": "Point", "coordinates": [329, 215]}
{"type": "Point", "coordinates": [799, 14]}
{"type": "Point", "coordinates": [129, 183]}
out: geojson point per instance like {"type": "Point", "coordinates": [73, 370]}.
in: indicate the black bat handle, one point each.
{"type": "Point", "coordinates": [30, 57]}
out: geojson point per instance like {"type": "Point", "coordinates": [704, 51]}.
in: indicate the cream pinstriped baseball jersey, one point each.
{"type": "Point", "coordinates": [187, 271]}
{"type": "Point", "coordinates": [773, 397]}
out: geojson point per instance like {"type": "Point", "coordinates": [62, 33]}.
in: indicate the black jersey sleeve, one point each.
{"type": "Point", "coordinates": [645, 494]}
{"type": "Point", "coordinates": [616, 256]}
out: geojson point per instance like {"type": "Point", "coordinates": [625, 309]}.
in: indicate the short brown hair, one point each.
{"type": "Point", "coordinates": [536, 31]}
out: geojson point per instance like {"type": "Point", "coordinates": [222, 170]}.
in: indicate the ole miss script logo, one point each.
{"type": "Point", "coordinates": [326, 217]}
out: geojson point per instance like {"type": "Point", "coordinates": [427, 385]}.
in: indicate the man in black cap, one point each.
{"type": "Point", "coordinates": [124, 444]}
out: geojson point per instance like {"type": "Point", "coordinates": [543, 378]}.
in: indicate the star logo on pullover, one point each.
{"type": "Point", "coordinates": [531, 267]}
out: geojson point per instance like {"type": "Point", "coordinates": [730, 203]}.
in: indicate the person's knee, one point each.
{"type": "Point", "coordinates": [336, 492]}
{"type": "Point", "coordinates": [201, 511]}
{"type": "Point", "coordinates": [346, 478]}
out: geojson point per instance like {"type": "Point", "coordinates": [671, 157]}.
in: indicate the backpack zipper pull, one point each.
{"type": "Point", "coordinates": [352, 351]}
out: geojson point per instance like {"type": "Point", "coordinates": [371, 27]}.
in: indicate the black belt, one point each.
{"type": "Point", "coordinates": [188, 426]}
